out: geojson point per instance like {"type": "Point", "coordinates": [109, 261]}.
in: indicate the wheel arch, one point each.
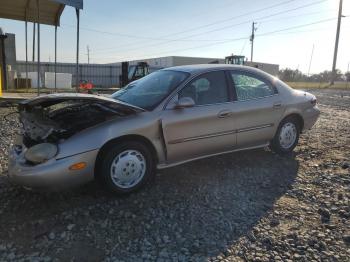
{"type": "Point", "coordinates": [125, 138]}
{"type": "Point", "coordinates": [298, 117]}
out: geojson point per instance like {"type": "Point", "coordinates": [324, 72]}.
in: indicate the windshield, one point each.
{"type": "Point", "coordinates": [150, 90]}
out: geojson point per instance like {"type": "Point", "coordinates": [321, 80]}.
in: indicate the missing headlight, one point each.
{"type": "Point", "coordinates": [40, 153]}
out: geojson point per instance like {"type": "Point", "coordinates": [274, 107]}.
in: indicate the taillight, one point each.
{"type": "Point", "coordinates": [313, 101]}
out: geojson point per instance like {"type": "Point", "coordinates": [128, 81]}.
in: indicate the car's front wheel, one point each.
{"type": "Point", "coordinates": [287, 136]}
{"type": "Point", "coordinates": [125, 166]}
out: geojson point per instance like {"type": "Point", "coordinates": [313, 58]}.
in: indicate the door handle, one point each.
{"type": "Point", "coordinates": [277, 105]}
{"type": "Point", "coordinates": [224, 113]}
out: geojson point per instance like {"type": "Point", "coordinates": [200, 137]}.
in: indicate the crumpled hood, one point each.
{"type": "Point", "coordinates": [53, 118]}
{"type": "Point", "coordinates": [49, 100]}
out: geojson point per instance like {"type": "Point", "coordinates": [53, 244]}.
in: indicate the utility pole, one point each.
{"type": "Point", "coordinates": [33, 42]}
{"type": "Point", "coordinates": [77, 78]}
{"type": "Point", "coordinates": [336, 42]}
{"type": "Point", "coordinates": [88, 53]}
{"type": "Point", "coordinates": [252, 41]}
{"type": "Point", "coordinates": [4, 85]}
{"type": "Point", "coordinates": [312, 53]}
{"type": "Point", "coordinates": [348, 76]}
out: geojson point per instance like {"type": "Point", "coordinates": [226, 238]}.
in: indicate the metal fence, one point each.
{"type": "Point", "coordinates": [101, 75]}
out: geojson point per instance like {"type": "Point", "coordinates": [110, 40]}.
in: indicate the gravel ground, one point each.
{"type": "Point", "coordinates": [247, 206]}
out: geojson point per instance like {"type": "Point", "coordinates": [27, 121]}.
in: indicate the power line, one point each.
{"type": "Point", "coordinates": [243, 47]}
{"type": "Point", "coordinates": [284, 32]}
{"type": "Point", "coordinates": [295, 27]}
{"type": "Point", "coordinates": [204, 26]}
{"type": "Point", "coordinates": [196, 47]}
{"type": "Point", "coordinates": [257, 19]}
{"type": "Point", "coordinates": [294, 16]}
{"type": "Point", "coordinates": [274, 34]}
{"type": "Point", "coordinates": [239, 38]}
{"type": "Point", "coordinates": [303, 31]}
{"type": "Point", "coordinates": [221, 28]}
{"type": "Point", "coordinates": [239, 16]}
{"type": "Point", "coordinates": [145, 38]}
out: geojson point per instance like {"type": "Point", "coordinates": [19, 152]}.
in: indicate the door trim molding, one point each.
{"type": "Point", "coordinates": [254, 128]}
{"type": "Point", "coordinates": [187, 139]}
{"type": "Point", "coordinates": [182, 140]}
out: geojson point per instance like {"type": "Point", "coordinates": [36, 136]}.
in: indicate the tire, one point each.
{"type": "Point", "coordinates": [287, 136]}
{"type": "Point", "coordinates": [125, 167]}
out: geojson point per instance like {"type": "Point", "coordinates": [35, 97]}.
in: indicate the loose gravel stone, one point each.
{"type": "Point", "coordinates": [346, 239]}
{"type": "Point", "coordinates": [246, 206]}
{"type": "Point", "coordinates": [52, 236]}
{"type": "Point", "coordinates": [345, 165]}
{"type": "Point", "coordinates": [70, 226]}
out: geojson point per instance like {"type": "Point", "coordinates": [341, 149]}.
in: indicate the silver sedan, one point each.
{"type": "Point", "coordinates": [167, 118]}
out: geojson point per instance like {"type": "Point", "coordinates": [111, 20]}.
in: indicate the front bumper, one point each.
{"type": "Point", "coordinates": [310, 117]}
{"type": "Point", "coordinates": [52, 175]}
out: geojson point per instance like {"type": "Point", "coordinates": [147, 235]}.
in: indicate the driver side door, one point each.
{"type": "Point", "coordinates": [205, 128]}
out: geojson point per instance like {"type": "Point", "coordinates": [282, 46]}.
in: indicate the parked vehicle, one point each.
{"type": "Point", "coordinates": [167, 118]}
{"type": "Point", "coordinates": [131, 73]}
{"type": "Point", "coordinates": [272, 69]}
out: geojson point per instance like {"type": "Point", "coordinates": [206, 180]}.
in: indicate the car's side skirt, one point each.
{"type": "Point", "coordinates": [162, 166]}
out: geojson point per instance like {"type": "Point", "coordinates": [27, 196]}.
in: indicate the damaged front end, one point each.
{"type": "Point", "coordinates": [51, 119]}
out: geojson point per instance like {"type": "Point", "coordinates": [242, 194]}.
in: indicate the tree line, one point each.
{"type": "Point", "coordinates": [290, 75]}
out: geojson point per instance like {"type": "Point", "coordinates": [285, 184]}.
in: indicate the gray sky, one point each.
{"type": "Point", "coordinates": [117, 30]}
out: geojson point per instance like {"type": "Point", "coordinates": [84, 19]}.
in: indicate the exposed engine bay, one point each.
{"type": "Point", "coordinates": [54, 120]}
{"type": "Point", "coordinates": [50, 126]}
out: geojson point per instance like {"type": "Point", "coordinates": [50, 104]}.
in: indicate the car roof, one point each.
{"type": "Point", "coordinates": [202, 68]}
{"type": "Point", "coordinates": [206, 67]}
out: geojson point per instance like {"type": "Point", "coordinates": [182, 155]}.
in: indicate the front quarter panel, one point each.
{"type": "Point", "coordinates": [143, 124]}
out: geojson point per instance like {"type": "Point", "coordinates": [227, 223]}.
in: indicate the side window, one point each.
{"type": "Point", "coordinates": [248, 87]}
{"type": "Point", "coordinates": [209, 88]}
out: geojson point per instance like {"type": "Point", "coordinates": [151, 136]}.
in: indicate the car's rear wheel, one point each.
{"type": "Point", "coordinates": [287, 136]}
{"type": "Point", "coordinates": [125, 167]}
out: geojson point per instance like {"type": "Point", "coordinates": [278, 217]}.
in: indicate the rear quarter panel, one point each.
{"type": "Point", "coordinates": [297, 102]}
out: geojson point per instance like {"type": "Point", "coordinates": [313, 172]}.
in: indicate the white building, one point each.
{"type": "Point", "coordinates": [169, 61]}
{"type": "Point", "coordinates": [268, 68]}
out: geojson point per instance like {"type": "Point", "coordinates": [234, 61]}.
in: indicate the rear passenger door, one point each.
{"type": "Point", "coordinates": [257, 109]}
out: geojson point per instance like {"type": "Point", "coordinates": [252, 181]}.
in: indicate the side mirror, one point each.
{"type": "Point", "coordinates": [184, 102]}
